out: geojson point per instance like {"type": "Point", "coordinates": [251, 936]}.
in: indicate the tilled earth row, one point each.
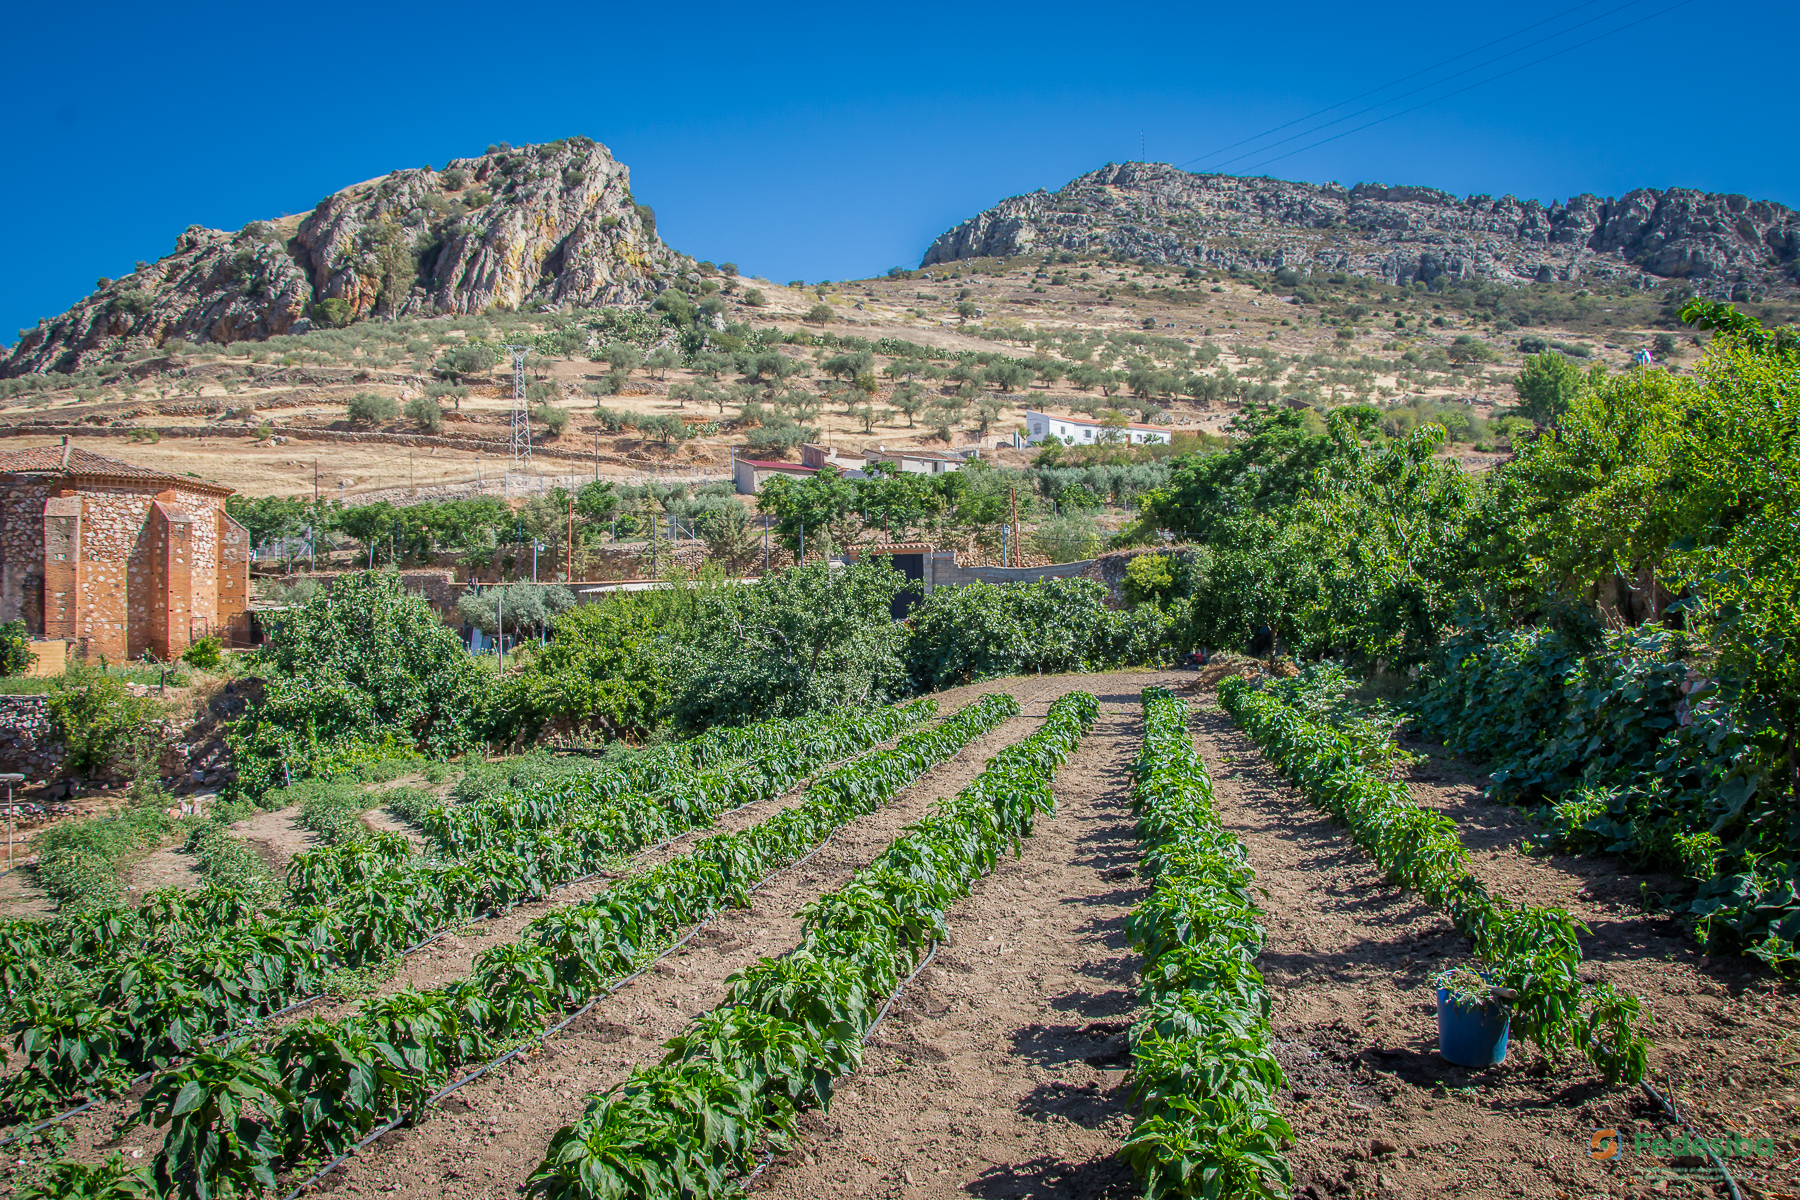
{"type": "Point", "coordinates": [1001, 1071]}
{"type": "Point", "coordinates": [487, 1137]}
{"type": "Point", "coordinates": [95, 1131]}
{"type": "Point", "coordinates": [1349, 958]}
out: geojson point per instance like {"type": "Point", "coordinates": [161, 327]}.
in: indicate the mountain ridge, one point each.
{"type": "Point", "coordinates": [554, 223]}
{"type": "Point", "coordinates": [1157, 213]}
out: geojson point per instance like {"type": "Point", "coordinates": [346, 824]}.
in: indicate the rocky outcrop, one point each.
{"type": "Point", "coordinates": [1153, 212]}
{"type": "Point", "coordinates": [554, 224]}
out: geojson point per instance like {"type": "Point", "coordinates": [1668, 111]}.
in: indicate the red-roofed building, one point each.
{"type": "Point", "coordinates": [115, 558]}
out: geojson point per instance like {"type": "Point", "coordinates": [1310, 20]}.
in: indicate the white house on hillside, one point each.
{"type": "Point", "coordinates": [1083, 431]}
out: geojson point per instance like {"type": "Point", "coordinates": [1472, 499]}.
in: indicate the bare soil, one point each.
{"type": "Point", "coordinates": [1000, 1071]}
{"type": "Point", "coordinates": [488, 1137]}
{"type": "Point", "coordinates": [1349, 959]}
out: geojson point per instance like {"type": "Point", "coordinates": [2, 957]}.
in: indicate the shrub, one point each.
{"type": "Point", "coordinates": [426, 413]}
{"type": "Point", "coordinates": [1067, 538]}
{"type": "Point", "coordinates": [362, 669]}
{"type": "Point", "coordinates": [367, 408]}
{"type": "Point", "coordinates": [820, 314]}
{"type": "Point", "coordinates": [15, 652]}
{"type": "Point", "coordinates": [332, 312]}
{"type": "Point", "coordinates": [96, 719]}
{"type": "Point", "coordinates": [454, 180]}
{"type": "Point", "coordinates": [754, 297]}
{"type": "Point", "coordinates": [551, 418]}
{"type": "Point", "coordinates": [985, 630]}
{"type": "Point", "coordinates": [204, 654]}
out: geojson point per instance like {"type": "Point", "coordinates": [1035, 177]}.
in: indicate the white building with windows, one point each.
{"type": "Point", "coordinates": [1084, 431]}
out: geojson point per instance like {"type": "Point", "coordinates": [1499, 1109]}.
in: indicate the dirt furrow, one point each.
{"type": "Point", "coordinates": [452, 956]}
{"type": "Point", "coordinates": [487, 1137]}
{"type": "Point", "coordinates": [1349, 960]}
{"type": "Point", "coordinates": [999, 1072]}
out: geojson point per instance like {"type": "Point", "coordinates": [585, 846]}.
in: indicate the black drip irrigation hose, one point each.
{"type": "Point", "coordinates": [299, 1004]}
{"type": "Point", "coordinates": [445, 932]}
{"type": "Point", "coordinates": [768, 1159]}
{"type": "Point", "coordinates": [1669, 1107]}
{"type": "Point", "coordinates": [560, 1026]}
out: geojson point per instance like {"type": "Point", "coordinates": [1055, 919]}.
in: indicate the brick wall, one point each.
{"type": "Point", "coordinates": [120, 569]}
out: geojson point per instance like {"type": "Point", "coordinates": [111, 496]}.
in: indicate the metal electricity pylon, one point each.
{"type": "Point", "coordinates": [521, 416]}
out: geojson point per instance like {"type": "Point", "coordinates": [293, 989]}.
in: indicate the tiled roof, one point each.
{"type": "Point", "coordinates": [50, 460]}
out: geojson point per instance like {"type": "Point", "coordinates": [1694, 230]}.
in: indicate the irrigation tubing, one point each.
{"type": "Point", "coordinates": [442, 933]}
{"type": "Point", "coordinates": [545, 1036]}
{"type": "Point", "coordinates": [1669, 1107]}
{"type": "Point", "coordinates": [769, 1155]}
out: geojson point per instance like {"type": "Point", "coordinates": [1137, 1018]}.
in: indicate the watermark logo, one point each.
{"type": "Point", "coordinates": [1698, 1160]}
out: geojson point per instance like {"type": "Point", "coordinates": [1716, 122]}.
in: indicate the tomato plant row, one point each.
{"type": "Point", "coordinates": [690, 1125]}
{"type": "Point", "coordinates": [349, 906]}
{"type": "Point", "coordinates": [319, 1085]}
{"type": "Point", "coordinates": [1533, 950]}
{"type": "Point", "coordinates": [1202, 1074]}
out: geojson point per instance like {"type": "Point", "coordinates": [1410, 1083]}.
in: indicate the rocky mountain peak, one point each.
{"type": "Point", "coordinates": [1156, 213]}
{"type": "Point", "coordinates": [554, 224]}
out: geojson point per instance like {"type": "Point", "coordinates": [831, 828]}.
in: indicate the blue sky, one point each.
{"type": "Point", "coordinates": [811, 141]}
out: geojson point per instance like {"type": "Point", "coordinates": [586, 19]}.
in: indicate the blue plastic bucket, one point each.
{"type": "Point", "coordinates": [1472, 1037]}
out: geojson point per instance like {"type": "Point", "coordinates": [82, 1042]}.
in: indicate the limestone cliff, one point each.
{"type": "Point", "coordinates": [1150, 211]}
{"type": "Point", "coordinates": [554, 223]}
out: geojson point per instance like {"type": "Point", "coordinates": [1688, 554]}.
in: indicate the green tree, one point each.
{"type": "Point", "coordinates": [822, 508]}
{"type": "Point", "coordinates": [805, 640]}
{"type": "Point", "coordinates": [363, 664]}
{"type": "Point", "coordinates": [605, 671]}
{"type": "Point", "coordinates": [467, 360]}
{"type": "Point", "coordinates": [367, 408]}
{"type": "Point", "coordinates": [820, 314]}
{"type": "Point", "coordinates": [909, 398]}
{"type": "Point", "coordinates": [426, 413]}
{"type": "Point", "coordinates": [1546, 386]}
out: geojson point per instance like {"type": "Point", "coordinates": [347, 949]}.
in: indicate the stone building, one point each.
{"type": "Point", "coordinates": [117, 559]}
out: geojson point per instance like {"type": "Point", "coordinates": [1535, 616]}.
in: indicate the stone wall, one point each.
{"type": "Point", "coordinates": [25, 745]}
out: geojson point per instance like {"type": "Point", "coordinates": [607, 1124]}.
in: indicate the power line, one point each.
{"type": "Point", "coordinates": [1428, 86]}
{"type": "Point", "coordinates": [1395, 82]}
{"type": "Point", "coordinates": [1471, 87]}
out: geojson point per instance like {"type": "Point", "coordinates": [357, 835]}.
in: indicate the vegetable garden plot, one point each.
{"type": "Point", "coordinates": [735, 1081]}
{"type": "Point", "coordinates": [321, 1086]}
{"type": "Point", "coordinates": [1202, 1074]}
{"type": "Point", "coordinates": [1531, 950]}
{"type": "Point", "coordinates": [171, 991]}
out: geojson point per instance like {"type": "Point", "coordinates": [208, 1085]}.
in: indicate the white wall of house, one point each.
{"type": "Point", "coordinates": [1041, 427]}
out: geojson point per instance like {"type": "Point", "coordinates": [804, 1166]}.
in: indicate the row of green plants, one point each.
{"type": "Point", "coordinates": [238, 1116]}
{"type": "Point", "coordinates": [35, 953]}
{"type": "Point", "coordinates": [1532, 950]}
{"type": "Point", "coordinates": [735, 1082]}
{"type": "Point", "coordinates": [722, 768]}
{"type": "Point", "coordinates": [214, 959]}
{"type": "Point", "coordinates": [1202, 1074]}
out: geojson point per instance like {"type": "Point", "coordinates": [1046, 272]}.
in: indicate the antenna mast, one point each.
{"type": "Point", "coordinates": [521, 418]}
